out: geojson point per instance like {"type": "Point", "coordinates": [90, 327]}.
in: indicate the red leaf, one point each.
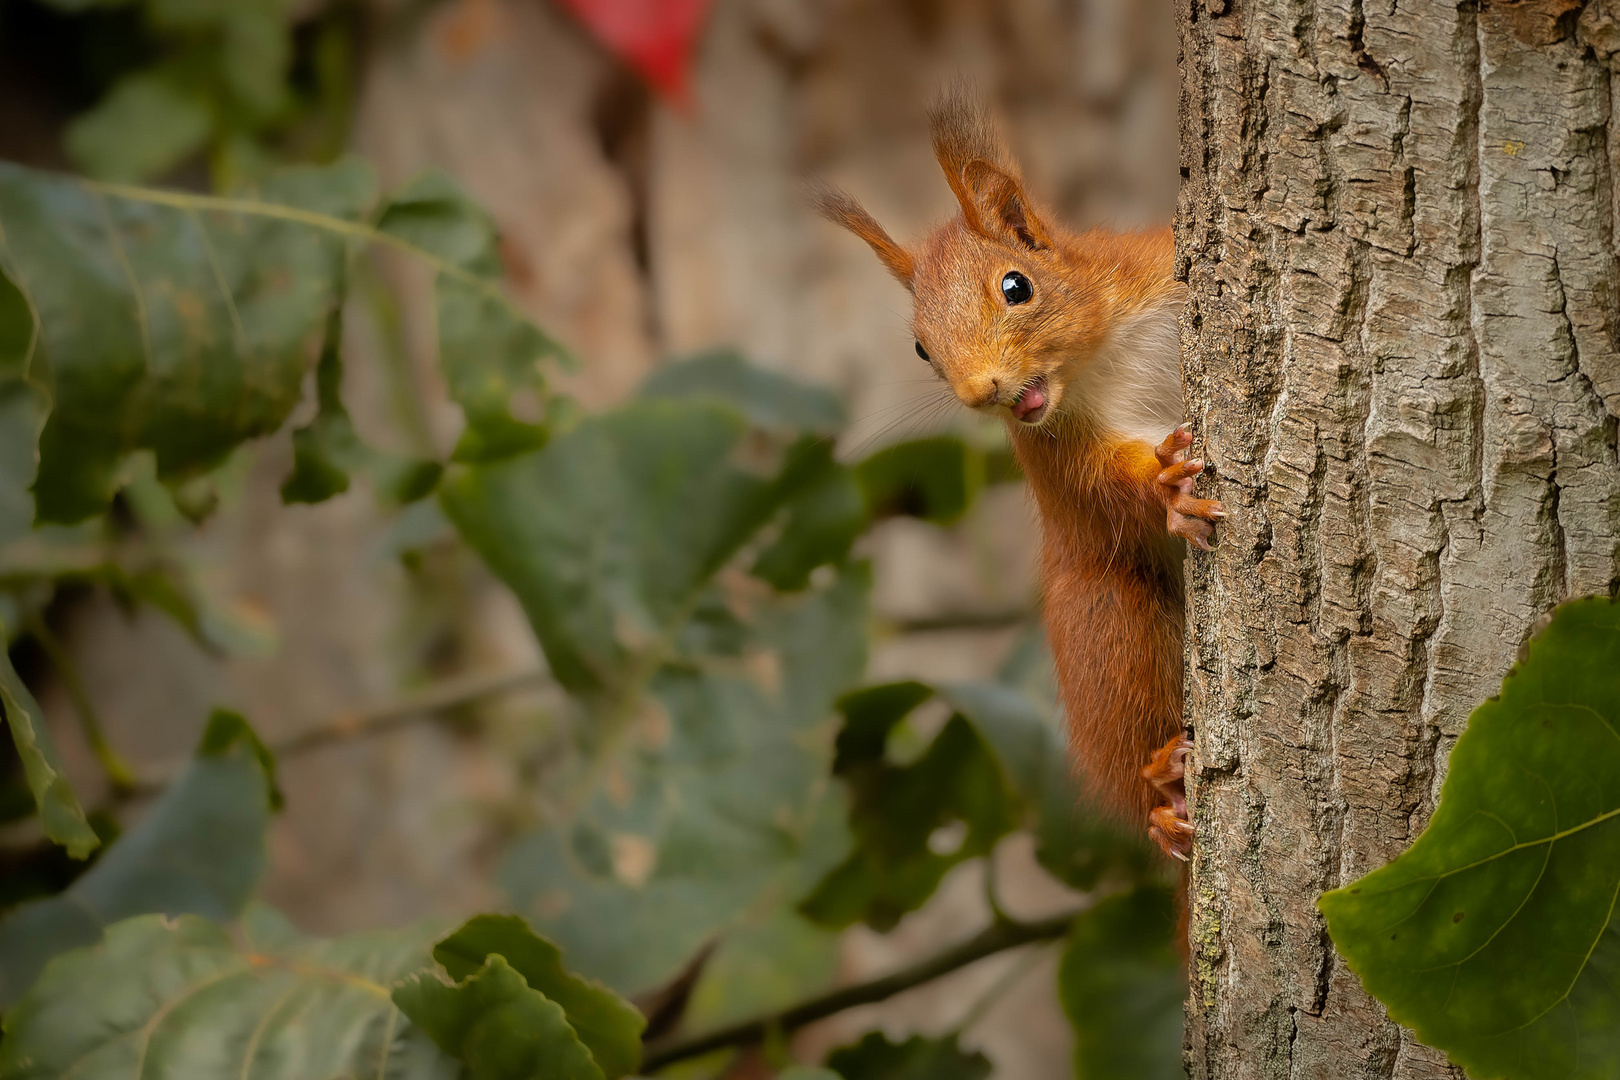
{"type": "Point", "coordinates": [653, 36]}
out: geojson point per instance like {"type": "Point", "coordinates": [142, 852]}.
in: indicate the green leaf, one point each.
{"type": "Point", "coordinates": [804, 1072]}
{"type": "Point", "coordinates": [497, 1024]}
{"type": "Point", "coordinates": [766, 962]}
{"type": "Point", "coordinates": [16, 330]}
{"type": "Point", "coordinates": [199, 850]}
{"type": "Point", "coordinates": [701, 794]}
{"type": "Point", "coordinates": [999, 764]}
{"type": "Point", "coordinates": [610, 535]}
{"type": "Point", "coordinates": [256, 54]}
{"type": "Point", "coordinates": [1122, 983]}
{"type": "Point", "coordinates": [59, 809]}
{"type": "Point", "coordinates": [1075, 841]}
{"type": "Point", "coordinates": [491, 356]}
{"type": "Point", "coordinates": [770, 401]}
{"type": "Point", "coordinates": [876, 1058]}
{"type": "Point", "coordinates": [912, 822]}
{"type": "Point", "coordinates": [935, 479]}
{"type": "Point", "coordinates": [185, 997]}
{"type": "Point", "coordinates": [22, 415]}
{"type": "Point", "coordinates": [148, 123]}
{"type": "Point", "coordinates": [184, 324]}
{"type": "Point", "coordinates": [716, 807]}
{"type": "Point", "coordinates": [1493, 936]}
{"type": "Point", "coordinates": [822, 520]}
{"type": "Point", "coordinates": [609, 1026]}
{"type": "Point", "coordinates": [328, 448]}
{"type": "Point", "coordinates": [169, 323]}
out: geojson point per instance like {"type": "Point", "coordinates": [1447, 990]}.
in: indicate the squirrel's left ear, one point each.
{"type": "Point", "coordinates": [838, 208]}
{"type": "Point", "coordinates": [999, 197]}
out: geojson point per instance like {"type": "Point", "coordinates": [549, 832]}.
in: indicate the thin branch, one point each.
{"type": "Point", "coordinates": [119, 774]}
{"type": "Point", "coordinates": [968, 620]}
{"type": "Point", "coordinates": [1015, 973]}
{"type": "Point", "coordinates": [377, 719]}
{"type": "Point", "coordinates": [998, 937]}
{"type": "Point", "coordinates": [386, 716]}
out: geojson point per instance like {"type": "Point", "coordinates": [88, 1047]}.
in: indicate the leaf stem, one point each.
{"type": "Point", "coordinates": [998, 937]}
{"type": "Point", "coordinates": [379, 718]}
{"type": "Point", "coordinates": [191, 201]}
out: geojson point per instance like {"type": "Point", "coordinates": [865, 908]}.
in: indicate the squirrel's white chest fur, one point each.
{"type": "Point", "coordinates": [1132, 384]}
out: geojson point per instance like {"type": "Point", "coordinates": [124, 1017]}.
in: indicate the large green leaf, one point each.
{"type": "Point", "coordinates": [184, 324]}
{"type": "Point", "coordinates": [200, 850]}
{"type": "Point", "coordinates": [59, 809]}
{"type": "Point", "coordinates": [718, 806]}
{"type": "Point", "coordinates": [502, 1028]}
{"type": "Point", "coordinates": [185, 997]}
{"type": "Point", "coordinates": [610, 536]}
{"type": "Point", "coordinates": [1122, 983]}
{"type": "Point", "coordinates": [706, 696]}
{"type": "Point", "coordinates": [1493, 936]}
{"type": "Point", "coordinates": [180, 325]}
{"type": "Point", "coordinates": [912, 822]}
{"type": "Point", "coordinates": [609, 1026]}
{"type": "Point", "coordinates": [918, 1058]}
{"type": "Point", "coordinates": [998, 764]}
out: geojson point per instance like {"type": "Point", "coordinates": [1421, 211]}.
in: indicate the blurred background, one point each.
{"type": "Point", "coordinates": [648, 200]}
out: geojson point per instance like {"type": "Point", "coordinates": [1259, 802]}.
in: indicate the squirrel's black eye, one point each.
{"type": "Point", "coordinates": [922, 352]}
{"type": "Point", "coordinates": [1016, 287]}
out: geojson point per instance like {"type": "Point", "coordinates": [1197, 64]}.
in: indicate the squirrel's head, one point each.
{"type": "Point", "coordinates": [997, 312]}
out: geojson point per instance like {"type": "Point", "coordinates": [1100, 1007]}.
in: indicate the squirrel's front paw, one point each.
{"type": "Point", "coordinates": [1168, 825]}
{"type": "Point", "coordinates": [1187, 516]}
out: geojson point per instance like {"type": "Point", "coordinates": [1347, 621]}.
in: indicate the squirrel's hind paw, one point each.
{"type": "Point", "coordinates": [1168, 825]}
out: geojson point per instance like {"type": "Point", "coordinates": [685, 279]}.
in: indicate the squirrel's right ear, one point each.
{"type": "Point", "coordinates": [838, 208]}
{"type": "Point", "coordinates": [981, 172]}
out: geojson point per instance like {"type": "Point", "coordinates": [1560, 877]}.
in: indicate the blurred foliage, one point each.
{"type": "Point", "coordinates": [877, 1058]}
{"type": "Point", "coordinates": [1121, 971]}
{"type": "Point", "coordinates": [1494, 936]}
{"type": "Point", "coordinates": [727, 794]}
{"type": "Point", "coordinates": [235, 84]}
{"type": "Point", "coordinates": [199, 850]}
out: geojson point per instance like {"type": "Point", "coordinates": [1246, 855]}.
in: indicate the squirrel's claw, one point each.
{"type": "Point", "coordinates": [1168, 825]}
{"type": "Point", "coordinates": [1169, 451]}
{"type": "Point", "coordinates": [1193, 519]}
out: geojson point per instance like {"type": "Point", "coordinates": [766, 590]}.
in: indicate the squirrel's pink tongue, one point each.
{"type": "Point", "coordinates": [1031, 399]}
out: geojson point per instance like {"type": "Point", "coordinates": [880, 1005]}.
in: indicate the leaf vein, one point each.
{"type": "Point", "coordinates": [224, 286]}
{"type": "Point", "coordinates": [135, 291]}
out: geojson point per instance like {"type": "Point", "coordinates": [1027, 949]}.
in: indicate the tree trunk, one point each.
{"type": "Point", "coordinates": [1402, 349]}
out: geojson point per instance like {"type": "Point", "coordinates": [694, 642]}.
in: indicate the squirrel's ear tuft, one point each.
{"type": "Point", "coordinates": [840, 209]}
{"type": "Point", "coordinates": [1003, 205]}
{"type": "Point", "coordinates": [981, 172]}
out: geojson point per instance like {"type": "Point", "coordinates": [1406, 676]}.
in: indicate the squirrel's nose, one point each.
{"type": "Point", "coordinates": [981, 390]}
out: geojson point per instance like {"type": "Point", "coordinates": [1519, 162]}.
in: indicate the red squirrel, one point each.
{"type": "Point", "coordinates": [1071, 338]}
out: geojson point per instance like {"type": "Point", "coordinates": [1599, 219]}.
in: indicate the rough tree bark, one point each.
{"type": "Point", "coordinates": [1403, 350]}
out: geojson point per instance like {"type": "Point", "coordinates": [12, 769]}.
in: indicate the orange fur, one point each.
{"type": "Point", "coordinates": [1097, 342]}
